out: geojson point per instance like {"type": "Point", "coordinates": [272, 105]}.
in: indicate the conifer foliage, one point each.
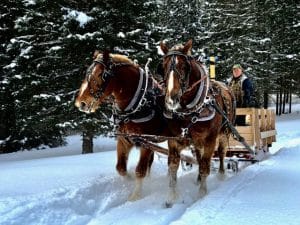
{"type": "Point", "coordinates": [46, 47]}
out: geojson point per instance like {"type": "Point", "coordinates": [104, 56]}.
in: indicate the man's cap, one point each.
{"type": "Point", "coordinates": [237, 66]}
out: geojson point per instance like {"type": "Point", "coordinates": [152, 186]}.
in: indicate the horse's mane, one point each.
{"type": "Point", "coordinates": [117, 58]}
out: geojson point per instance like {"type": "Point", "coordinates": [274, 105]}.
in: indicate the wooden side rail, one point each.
{"type": "Point", "coordinates": [259, 129]}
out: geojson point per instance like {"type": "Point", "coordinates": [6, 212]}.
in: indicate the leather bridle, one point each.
{"type": "Point", "coordinates": [183, 78]}
{"type": "Point", "coordinates": [106, 75]}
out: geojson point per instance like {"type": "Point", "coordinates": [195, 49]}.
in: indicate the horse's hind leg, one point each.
{"type": "Point", "coordinates": [151, 159]}
{"type": "Point", "coordinates": [146, 159]}
{"type": "Point", "coordinates": [123, 148]}
{"type": "Point", "coordinates": [222, 153]}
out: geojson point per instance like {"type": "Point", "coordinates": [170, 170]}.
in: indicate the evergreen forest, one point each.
{"type": "Point", "coordinates": [47, 45]}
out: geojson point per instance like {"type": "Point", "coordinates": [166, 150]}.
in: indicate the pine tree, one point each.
{"type": "Point", "coordinates": [43, 73]}
{"type": "Point", "coordinates": [10, 12]}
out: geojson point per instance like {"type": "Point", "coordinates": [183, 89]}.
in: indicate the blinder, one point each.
{"type": "Point", "coordinates": [106, 75]}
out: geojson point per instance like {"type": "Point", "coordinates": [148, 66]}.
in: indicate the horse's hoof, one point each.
{"type": "Point", "coordinates": [221, 176]}
{"type": "Point", "coordinates": [122, 173]}
{"type": "Point", "coordinates": [168, 204]}
{"type": "Point", "coordinates": [202, 192]}
{"type": "Point", "coordinates": [134, 197]}
{"type": "Point", "coordinates": [129, 176]}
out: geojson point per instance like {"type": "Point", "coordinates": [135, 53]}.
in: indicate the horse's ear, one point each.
{"type": "Point", "coordinates": [96, 53]}
{"type": "Point", "coordinates": [106, 57]}
{"type": "Point", "coordinates": [187, 47]}
{"type": "Point", "coordinates": [164, 47]}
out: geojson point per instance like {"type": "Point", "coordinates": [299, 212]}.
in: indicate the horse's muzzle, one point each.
{"type": "Point", "coordinates": [172, 104]}
{"type": "Point", "coordinates": [84, 107]}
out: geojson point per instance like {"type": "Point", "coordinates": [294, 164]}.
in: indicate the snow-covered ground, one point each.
{"type": "Point", "coordinates": [61, 186]}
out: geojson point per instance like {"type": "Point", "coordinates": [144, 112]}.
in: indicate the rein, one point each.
{"type": "Point", "coordinates": [196, 83]}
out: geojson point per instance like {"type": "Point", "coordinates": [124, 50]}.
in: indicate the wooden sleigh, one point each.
{"type": "Point", "coordinates": [258, 132]}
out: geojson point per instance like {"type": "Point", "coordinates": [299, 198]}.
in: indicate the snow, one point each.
{"type": "Point", "coordinates": [62, 186]}
{"type": "Point", "coordinates": [29, 2]}
{"type": "Point", "coordinates": [121, 35]}
{"type": "Point", "coordinates": [133, 32]}
{"type": "Point", "coordinates": [11, 65]}
{"type": "Point", "coordinates": [291, 56]}
{"type": "Point", "coordinates": [18, 77]}
{"type": "Point", "coordinates": [55, 48]}
{"type": "Point", "coordinates": [85, 36]}
{"type": "Point", "coordinates": [80, 17]}
{"type": "Point", "coordinates": [296, 25]}
{"type": "Point", "coordinates": [24, 52]}
{"type": "Point", "coordinates": [45, 96]}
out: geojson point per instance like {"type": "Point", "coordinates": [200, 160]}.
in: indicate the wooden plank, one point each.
{"type": "Point", "coordinates": [263, 125]}
{"type": "Point", "coordinates": [269, 127]}
{"type": "Point", "coordinates": [263, 120]}
{"type": "Point", "coordinates": [233, 142]}
{"type": "Point", "coordinates": [269, 133]}
{"type": "Point", "coordinates": [273, 124]}
{"type": "Point", "coordinates": [244, 111]}
{"type": "Point", "coordinates": [255, 124]}
{"type": "Point", "coordinates": [244, 129]}
{"type": "Point", "coordinates": [248, 136]}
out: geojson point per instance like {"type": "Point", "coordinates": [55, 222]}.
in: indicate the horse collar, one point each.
{"type": "Point", "coordinates": [138, 100]}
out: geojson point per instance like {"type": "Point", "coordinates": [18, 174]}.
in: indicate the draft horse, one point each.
{"type": "Point", "coordinates": [131, 90]}
{"type": "Point", "coordinates": [193, 104]}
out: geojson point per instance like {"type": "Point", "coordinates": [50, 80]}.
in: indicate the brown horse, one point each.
{"type": "Point", "coordinates": [132, 92]}
{"type": "Point", "coordinates": [192, 104]}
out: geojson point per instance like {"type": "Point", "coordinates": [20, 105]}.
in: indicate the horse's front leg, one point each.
{"type": "Point", "coordinates": [143, 167]}
{"type": "Point", "coordinates": [204, 167]}
{"type": "Point", "coordinates": [173, 164]}
{"type": "Point", "coordinates": [123, 148]}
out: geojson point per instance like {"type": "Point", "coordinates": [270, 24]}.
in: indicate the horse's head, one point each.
{"type": "Point", "coordinates": [93, 87]}
{"type": "Point", "coordinates": [177, 68]}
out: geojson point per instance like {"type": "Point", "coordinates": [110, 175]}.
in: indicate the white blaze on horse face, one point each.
{"type": "Point", "coordinates": [84, 86]}
{"type": "Point", "coordinates": [171, 78]}
{"type": "Point", "coordinates": [171, 82]}
{"type": "Point", "coordinates": [171, 104]}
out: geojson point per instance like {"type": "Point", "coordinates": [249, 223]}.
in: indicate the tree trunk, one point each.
{"type": "Point", "coordinates": [87, 142]}
{"type": "Point", "coordinates": [283, 102]}
{"type": "Point", "coordinates": [277, 103]}
{"type": "Point", "coordinates": [266, 99]}
{"type": "Point", "coordinates": [290, 102]}
{"type": "Point", "coordinates": [280, 102]}
{"type": "Point", "coordinates": [7, 125]}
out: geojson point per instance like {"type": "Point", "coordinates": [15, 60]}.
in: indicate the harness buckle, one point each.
{"type": "Point", "coordinates": [184, 132]}
{"type": "Point", "coordinates": [194, 119]}
{"type": "Point", "coordinates": [143, 102]}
